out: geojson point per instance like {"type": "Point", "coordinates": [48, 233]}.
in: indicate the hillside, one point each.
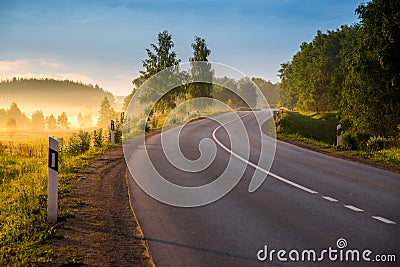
{"type": "Point", "coordinates": [46, 97]}
{"type": "Point", "coordinates": [52, 96]}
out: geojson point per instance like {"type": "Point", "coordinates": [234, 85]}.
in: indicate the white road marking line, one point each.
{"type": "Point", "coordinates": [353, 208]}
{"type": "Point", "coordinates": [291, 183]}
{"type": "Point", "coordinates": [379, 218]}
{"type": "Point", "coordinates": [330, 199]}
{"type": "Point", "coordinates": [308, 190]}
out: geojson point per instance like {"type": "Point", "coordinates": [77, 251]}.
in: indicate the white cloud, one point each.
{"type": "Point", "coordinates": [74, 77]}
{"type": "Point", "coordinates": [13, 65]}
{"type": "Point", "coordinates": [24, 64]}
{"type": "Point", "coordinates": [51, 63]}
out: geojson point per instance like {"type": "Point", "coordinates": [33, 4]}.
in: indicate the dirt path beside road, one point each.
{"type": "Point", "coordinates": [103, 230]}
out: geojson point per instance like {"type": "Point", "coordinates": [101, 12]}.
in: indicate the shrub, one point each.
{"type": "Point", "coordinates": [118, 130]}
{"type": "Point", "coordinates": [363, 138]}
{"type": "Point", "coordinates": [377, 143]}
{"type": "Point", "coordinates": [350, 141]}
{"type": "Point", "coordinates": [85, 141]}
{"type": "Point", "coordinates": [173, 120]}
{"type": "Point", "coordinates": [141, 124]}
{"type": "Point", "coordinates": [98, 137]}
{"type": "Point", "coordinates": [154, 123]}
{"type": "Point", "coordinates": [79, 143]}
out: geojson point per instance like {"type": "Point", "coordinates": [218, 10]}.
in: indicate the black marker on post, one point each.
{"type": "Point", "coordinates": [52, 181]}
{"type": "Point", "coordinates": [112, 133]}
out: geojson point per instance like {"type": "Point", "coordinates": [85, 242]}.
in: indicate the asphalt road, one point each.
{"type": "Point", "coordinates": [308, 201]}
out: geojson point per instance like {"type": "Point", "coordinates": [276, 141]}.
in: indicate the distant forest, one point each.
{"type": "Point", "coordinates": [53, 104]}
{"type": "Point", "coordinates": [245, 88]}
{"type": "Point", "coordinates": [43, 94]}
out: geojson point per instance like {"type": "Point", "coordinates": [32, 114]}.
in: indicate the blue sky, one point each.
{"type": "Point", "coordinates": [104, 42]}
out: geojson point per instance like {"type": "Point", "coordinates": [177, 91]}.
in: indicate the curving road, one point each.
{"type": "Point", "coordinates": [308, 201]}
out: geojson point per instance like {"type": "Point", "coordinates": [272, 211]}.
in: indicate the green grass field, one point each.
{"type": "Point", "coordinates": [319, 130]}
{"type": "Point", "coordinates": [317, 126]}
{"type": "Point", "coordinates": [24, 229]}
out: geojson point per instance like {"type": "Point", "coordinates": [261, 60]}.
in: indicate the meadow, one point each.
{"type": "Point", "coordinates": [24, 230]}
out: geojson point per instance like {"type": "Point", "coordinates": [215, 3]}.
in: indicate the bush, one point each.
{"type": "Point", "coordinates": [154, 123]}
{"type": "Point", "coordinates": [173, 120]}
{"type": "Point", "coordinates": [98, 137]}
{"type": "Point", "coordinates": [79, 143]}
{"type": "Point", "coordinates": [85, 141]}
{"type": "Point", "coordinates": [141, 124]}
{"type": "Point", "coordinates": [363, 138]}
{"type": "Point", "coordinates": [350, 141]}
{"type": "Point", "coordinates": [377, 143]}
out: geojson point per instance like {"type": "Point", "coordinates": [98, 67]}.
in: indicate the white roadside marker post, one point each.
{"type": "Point", "coordinates": [112, 133]}
{"type": "Point", "coordinates": [52, 181]}
{"type": "Point", "coordinates": [339, 133]}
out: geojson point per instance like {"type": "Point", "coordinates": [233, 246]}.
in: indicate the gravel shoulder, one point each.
{"type": "Point", "coordinates": [102, 229]}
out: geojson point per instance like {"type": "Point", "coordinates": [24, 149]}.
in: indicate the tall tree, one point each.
{"type": "Point", "coordinates": [38, 120]}
{"type": "Point", "coordinates": [308, 81]}
{"type": "Point", "coordinates": [287, 92]}
{"type": "Point", "coordinates": [370, 97]}
{"type": "Point", "coordinates": [106, 114]}
{"type": "Point", "coordinates": [248, 92]}
{"type": "Point", "coordinates": [268, 89]}
{"type": "Point", "coordinates": [62, 121]}
{"type": "Point", "coordinates": [137, 82]}
{"type": "Point", "coordinates": [225, 90]}
{"type": "Point", "coordinates": [20, 118]}
{"type": "Point", "coordinates": [85, 121]}
{"type": "Point", "coordinates": [3, 117]}
{"type": "Point", "coordinates": [11, 125]}
{"type": "Point", "coordinates": [161, 58]}
{"type": "Point", "coordinates": [51, 122]}
{"type": "Point", "coordinates": [200, 71]}
{"type": "Point", "coordinates": [14, 111]}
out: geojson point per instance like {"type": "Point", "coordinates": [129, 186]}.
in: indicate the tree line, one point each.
{"type": "Point", "coordinates": [162, 57]}
{"type": "Point", "coordinates": [13, 119]}
{"type": "Point", "coordinates": [354, 70]}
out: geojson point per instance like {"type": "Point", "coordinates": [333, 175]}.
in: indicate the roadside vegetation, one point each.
{"type": "Point", "coordinates": [353, 70]}
{"type": "Point", "coordinates": [319, 130]}
{"type": "Point", "coordinates": [348, 76]}
{"type": "Point", "coordinates": [162, 56]}
{"type": "Point", "coordinates": [24, 229]}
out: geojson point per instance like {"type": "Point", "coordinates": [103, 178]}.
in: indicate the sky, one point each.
{"type": "Point", "coordinates": [104, 42]}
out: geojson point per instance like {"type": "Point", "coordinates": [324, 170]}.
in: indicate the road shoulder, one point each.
{"type": "Point", "coordinates": [101, 229]}
{"type": "Point", "coordinates": [340, 155]}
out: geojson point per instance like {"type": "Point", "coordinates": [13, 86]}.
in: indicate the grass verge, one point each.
{"type": "Point", "coordinates": [24, 229]}
{"type": "Point", "coordinates": [317, 131]}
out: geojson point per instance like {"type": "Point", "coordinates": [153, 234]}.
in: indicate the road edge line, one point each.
{"type": "Point", "coordinates": [147, 252]}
